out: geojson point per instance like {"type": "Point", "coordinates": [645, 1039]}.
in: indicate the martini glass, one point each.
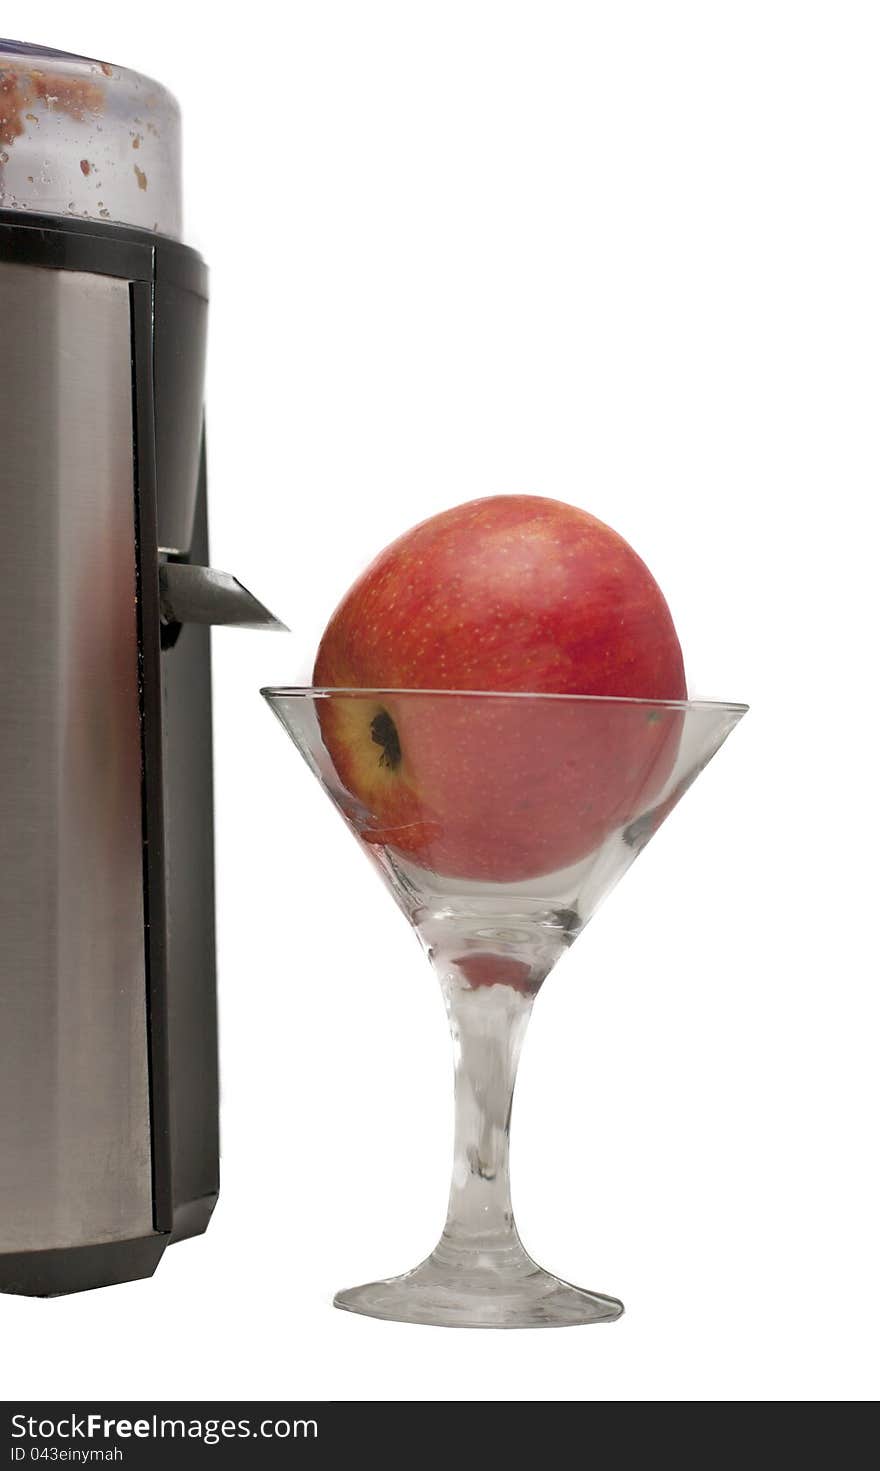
{"type": "Point", "coordinates": [498, 822]}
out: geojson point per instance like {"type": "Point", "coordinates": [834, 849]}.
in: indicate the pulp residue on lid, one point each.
{"type": "Point", "coordinates": [67, 128]}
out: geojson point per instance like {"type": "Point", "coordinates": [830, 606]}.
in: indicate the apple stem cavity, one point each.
{"type": "Point", "coordinates": [384, 733]}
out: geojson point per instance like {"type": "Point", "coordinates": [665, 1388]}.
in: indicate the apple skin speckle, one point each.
{"type": "Point", "coordinates": [511, 594]}
{"type": "Point", "coordinates": [517, 593]}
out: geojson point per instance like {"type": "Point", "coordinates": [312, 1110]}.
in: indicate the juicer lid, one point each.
{"type": "Point", "coordinates": [84, 138]}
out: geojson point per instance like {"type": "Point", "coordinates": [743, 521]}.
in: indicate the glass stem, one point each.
{"type": "Point", "coordinates": [488, 1024]}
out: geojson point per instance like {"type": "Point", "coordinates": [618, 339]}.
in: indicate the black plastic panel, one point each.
{"type": "Point", "coordinates": [189, 856]}
{"type": "Point", "coordinates": [105, 250]}
{"type": "Point", "coordinates": [55, 1273]}
{"type": "Point", "coordinates": [152, 747]}
{"type": "Point", "coordinates": [181, 326]}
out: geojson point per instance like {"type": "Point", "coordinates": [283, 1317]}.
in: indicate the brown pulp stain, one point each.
{"type": "Point", "coordinates": [19, 90]}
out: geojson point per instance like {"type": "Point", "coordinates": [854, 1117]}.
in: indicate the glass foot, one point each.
{"type": "Point", "coordinates": [473, 1289]}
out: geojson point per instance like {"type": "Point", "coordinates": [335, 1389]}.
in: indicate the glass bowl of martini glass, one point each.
{"type": "Point", "coordinates": [498, 822]}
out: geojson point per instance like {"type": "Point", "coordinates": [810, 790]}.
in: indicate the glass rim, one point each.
{"type": "Point", "coordinates": [301, 692]}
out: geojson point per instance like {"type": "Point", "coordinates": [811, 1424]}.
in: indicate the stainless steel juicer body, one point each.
{"type": "Point", "coordinates": [108, 1029]}
{"type": "Point", "coordinates": [74, 1079]}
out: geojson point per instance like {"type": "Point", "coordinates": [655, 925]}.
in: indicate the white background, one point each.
{"type": "Point", "coordinates": [625, 254]}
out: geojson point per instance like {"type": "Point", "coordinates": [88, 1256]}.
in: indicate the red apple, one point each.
{"type": "Point", "coordinates": [508, 594]}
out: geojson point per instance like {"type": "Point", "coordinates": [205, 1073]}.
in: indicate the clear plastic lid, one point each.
{"type": "Point", "coordinates": [81, 137]}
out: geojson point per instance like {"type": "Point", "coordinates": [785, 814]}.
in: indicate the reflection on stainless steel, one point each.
{"type": "Point", "coordinates": [74, 1101]}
